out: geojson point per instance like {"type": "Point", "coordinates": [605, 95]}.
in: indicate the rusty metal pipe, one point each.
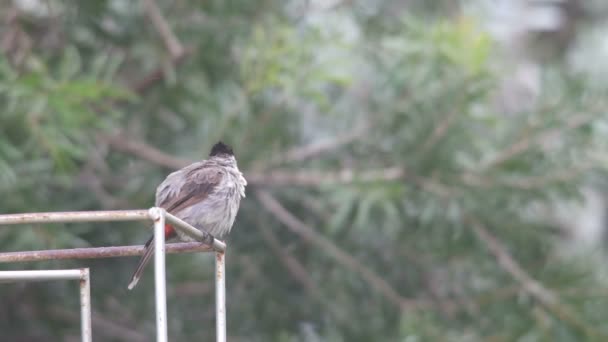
{"type": "Point", "coordinates": [98, 252]}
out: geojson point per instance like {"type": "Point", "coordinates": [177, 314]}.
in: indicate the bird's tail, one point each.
{"type": "Point", "coordinates": [148, 253]}
{"type": "Point", "coordinates": [145, 259]}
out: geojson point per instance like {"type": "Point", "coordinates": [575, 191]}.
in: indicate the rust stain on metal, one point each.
{"type": "Point", "coordinates": [219, 257]}
{"type": "Point", "coordinates": [98, 252]}
{"type": "Point", "coordinates": [83, 276]}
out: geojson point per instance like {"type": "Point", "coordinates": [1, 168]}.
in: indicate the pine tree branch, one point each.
{"type": "Point", "coordinates": [439, 132]}
{"type": "Point", "coordinates": [531, 182]}
{"type": "Point", "coordinates": [530, 285]}
{"type": "Point", "coordinates": [313, 178]}
{"type": "Point", "coordinates": [542, 138]}
{"type": "Point", "coordinates": [308, 233]}
{"type": "Point", "coordinates": [297, 270]}
{"type": "Point", "coordinates": [476, 178]}
{"type": "Point", "coordinates": [280, 177]}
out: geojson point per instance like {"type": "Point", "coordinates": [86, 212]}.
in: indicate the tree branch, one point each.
{"type": "Point", "coordinates": [161, 25]}
{"type": "Point", "coordinates": [308, 233]}
{"type": "Point", "coordinates": [317, 178]}
{"type": "Point", "coordinates": [277, 177]}
{"type": "Point", "coordinates": [531, 182]}
{"type": "Point", "coordinates": [530, 285]}
{"type": "Point", "coordinates": [302, 153]}
{"type": "Point", "coordinates": [143, 151]}
{"type": "Point", "coordinates": [156, 75]}
{"type": "Point", "coordinates": [176, 50]}
{"type": "Point", "coordinates": [313, 178]}
{"type": "Point", "coordinates": [293, 266]}
{"type": "Point", "coordinates": [438, 132]}
{"type": "Point", "coordinates": [525, 144]}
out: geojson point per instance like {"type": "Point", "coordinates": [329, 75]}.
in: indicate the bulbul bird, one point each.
{"type": "Point", "coordinates": [206, 194]}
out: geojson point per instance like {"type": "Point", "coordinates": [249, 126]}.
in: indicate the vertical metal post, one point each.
{"type": "Point", "coordinates": [158, 215]}
{"type": "Point", "coordinates": [82, 275]}
{"type": "Point", "coordinates": [220, 296]}
{"type": "Point", "coordinates": [85, 305]}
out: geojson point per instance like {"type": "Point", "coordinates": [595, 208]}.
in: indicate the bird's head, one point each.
{"type": "Point", "coordinates": [221, 149]}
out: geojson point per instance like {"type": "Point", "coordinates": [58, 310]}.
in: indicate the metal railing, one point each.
{"type": "Point", "coordinates": [158, 216]}
{"type": "Point", "coordinates": [82, 275]}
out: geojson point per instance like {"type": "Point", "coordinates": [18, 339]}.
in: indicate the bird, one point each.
{"type": "Point", "coordinates": [206, 194]}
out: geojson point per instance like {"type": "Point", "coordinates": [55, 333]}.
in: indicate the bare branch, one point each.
{"type": "Point", "coordinates": [302, 153]}
{"type": "Point", "coordinates": [156, 75]}
{"type": "Point", "coordinates": [530, 285]}
{"type": "Point", "coordinates": [177, 52]}
{"type": "Point", "coordinates": [316, 178]}
{"type": "Point", "coordinates": [161, 25]}
{"type": "Point", "coordinates": [277, 177]}
{"type": "Point", "coordinates": [293, 266]}
{"type": "Point", "coordinates": [346, 176]}
{"type": "Point", "coordinates": [309, 234]}
{"type": "Point", "coordinates": [15, 43]}
{"type": "Point", "coordinates": [143, 151]}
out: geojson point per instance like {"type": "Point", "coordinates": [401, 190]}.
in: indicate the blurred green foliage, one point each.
{"type": "Point", "coordinates": [415, 91]}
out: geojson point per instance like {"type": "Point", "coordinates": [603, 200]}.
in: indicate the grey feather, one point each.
{"type": "Point", "coordinates": [211, 191]}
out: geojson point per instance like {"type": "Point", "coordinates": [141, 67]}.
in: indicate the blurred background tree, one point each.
{"type": "Point", "coordinates": [419, 171]}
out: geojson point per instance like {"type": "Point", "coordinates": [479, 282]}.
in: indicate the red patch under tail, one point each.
{"type": "Point", "coordinates": [169, 231]}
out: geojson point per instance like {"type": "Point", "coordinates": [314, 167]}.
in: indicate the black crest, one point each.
{"type": "Point", "coordinates": [221, 148]}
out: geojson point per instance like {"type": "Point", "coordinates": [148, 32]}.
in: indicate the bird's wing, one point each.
{"type": "Point", "coordinates": [188, 186]}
